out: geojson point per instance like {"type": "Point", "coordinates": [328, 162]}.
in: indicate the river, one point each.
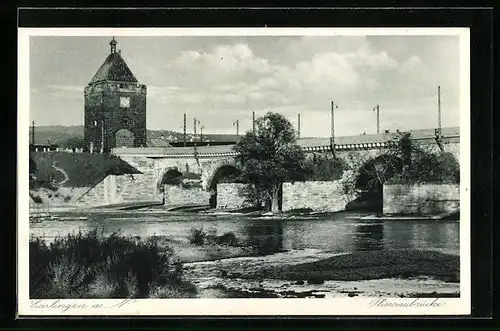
{"type": "Point", "coordinates": [341, 232]}
{"type": "Point", "coordinates": [282, 241]}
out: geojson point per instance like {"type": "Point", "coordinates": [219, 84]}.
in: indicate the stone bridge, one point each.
{"type": "Point", "coordinates": [209, 163]}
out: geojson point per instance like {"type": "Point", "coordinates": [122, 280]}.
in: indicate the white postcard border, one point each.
{"type": "Point", "coordinates": [165, 307]}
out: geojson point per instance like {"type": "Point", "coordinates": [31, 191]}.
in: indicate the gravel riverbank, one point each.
{"type": "Point", "coordinates": [310, 273]}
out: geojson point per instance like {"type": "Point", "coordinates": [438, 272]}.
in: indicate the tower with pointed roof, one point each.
{"type": "Point", "coordinates": [115, 106]}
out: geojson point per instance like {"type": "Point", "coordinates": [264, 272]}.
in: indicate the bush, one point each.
{"type": "Point", "coordinates": [430, 168]}
{"type": "Point", "coordinates": [323, 168]}
{"type": "Point", "coordinates": [252, 195]}
{"type": "Point", "coordinates": [197, 236]}
{"type": "Point", "coordinates": [36, 198]}
{"type": "Point", "coordinates": [38, 184]}
{"type": "Point", "coordinates": [192, 176]}
{"type": "Point", "coordinates": [228, 239]}
{"type": "Point", "coordinates": [200, 237]}
{"type": "Point", "coordinates": [188, 185]}
{"type": "Point", "coordinates": [92, 265]}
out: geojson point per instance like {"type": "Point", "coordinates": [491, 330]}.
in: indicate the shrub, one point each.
{"type": "Point", "coordinates": [36, 198]}
{"type": "Point", "coordinates": [427, 167]}
{"type": "Point", "coordinates": [188, 184]}
{"type": "Point", "coordinates": [228, 239]}
{"type": "Point", "coordinates": [323, 168]}
{"type": "Point", "coordinates": [197, 236]}
{"type": "Point", "coordinates": [253, 195]}
{"type": "Point", "coordinates": [192, 176]}
{"type": "Point", "coordinates": [93, 265]}
{"type": "Point", "coordinates": [67, 276]}
{"type": "Point", "coordinates": [36, 184]}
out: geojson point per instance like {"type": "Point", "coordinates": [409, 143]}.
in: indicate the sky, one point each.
{"type": "Point", "coordinates": [220, 80]}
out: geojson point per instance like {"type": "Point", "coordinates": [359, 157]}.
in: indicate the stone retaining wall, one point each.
{"type": "Point", "coordinates": [176, 195]}
{"type": "Point", "coordinates": [423, 199]}
{"type": "Point", "coordinates": [317, 195]}
{"type": "Point", "coordinates": [231, 196]}
{"type": "Point", "coordinates": [118, 189]}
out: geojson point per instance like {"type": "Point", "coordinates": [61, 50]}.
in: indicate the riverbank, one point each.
{"type": "Point", "coordinates": [367, 265]}
{"type": "Point", "coordinates": [188, 253]}
{"type": "Point", "coordinates": [305, 255]}
{"type": "Point", "coordinates": [362, 214]}
{"type": "Point", "coordinates": [316, 274]}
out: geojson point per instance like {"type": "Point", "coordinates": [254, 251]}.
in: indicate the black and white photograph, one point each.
{"type": "Point", "coordinates": [326, 168]}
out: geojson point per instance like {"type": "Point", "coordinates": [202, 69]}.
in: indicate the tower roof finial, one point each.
{"type": "Point", "coordinates": [113, 43]}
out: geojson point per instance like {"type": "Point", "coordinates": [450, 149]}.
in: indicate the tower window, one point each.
{"type": "Point", "coordinates": [125, 102]}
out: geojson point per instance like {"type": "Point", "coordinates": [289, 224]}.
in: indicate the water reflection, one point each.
{"type": "Point", "coordinates": [369, 237]}
{"type": "Point", "coordinates": [342, 232]}
{"type": "Point", "coordinates": [265, 236]}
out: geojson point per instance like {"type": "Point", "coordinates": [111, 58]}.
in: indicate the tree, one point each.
{"type": "Point", "coordinates": [324, 168]}
{"type": "Point", "coordinates": [428, 166]}
{"type": "Point", "coordinates": [32, 166]}
{"type": "Point", "coordinates": [270, 156]}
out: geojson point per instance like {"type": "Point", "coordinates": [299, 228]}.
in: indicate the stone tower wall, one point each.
{"type": "Point", "coordinates": [103, 100]}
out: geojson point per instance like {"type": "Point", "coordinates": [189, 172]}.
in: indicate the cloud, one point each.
{"type": "Point", "coordinates": [232, 76]}
{"type": "Point", "coordinates": [69, 88]}
{"type": "Point", "coordinates": [221, 79]}
{"type": "Point", "coordinates": [62, 91]}
{"type": "Point", "coordinates": [225, 59]}
{"type": "Point", "coordinates": [237, 70]}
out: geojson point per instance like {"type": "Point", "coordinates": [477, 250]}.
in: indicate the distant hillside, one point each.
{"type": "Point", "coordinates": [56, 134]}
{"type": "Point", "coordinates": [60, 134]}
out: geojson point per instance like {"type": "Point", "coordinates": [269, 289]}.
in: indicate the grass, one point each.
{"type": "Point", "coordinates": [198, 237]}
{"type": "Point", "coordinates": [369, 265]}
{"type": "Point", "coordinates": [83, 169]}
{"type": "Point", "coordinates": [94, 265]}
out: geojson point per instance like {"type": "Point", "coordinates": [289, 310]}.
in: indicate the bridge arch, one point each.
{"type": "Point", "coordinates": [369, 179]}
{"type": "Point", "coordinates": [168, 176]}
{"type": "Point", "coordinates": [376, 170]}
{"type": "Point", "coordinates": [214, 173]}
{"type": "Point", "coordinates": [226, 168]}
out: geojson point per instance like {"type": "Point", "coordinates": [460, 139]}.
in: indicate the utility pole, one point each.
{"type": "Point", "coordinates": [33, 133]}
{"type": "Point", "coordinates": [253, 121]}
{"type": "Point", "coordinates": [439, 133]}
{"type": "Point", "coordinates": [237, 123]}
{"type": "Point", "coordinates": [102, 135]}
{"type": "Point", "coordinates": [439, 109]}
{"type": "Point", "coordinates": [377, 109]}
{"type": "Point", "coordinates": [195, 121]}
{"type": "Point", "coordinates": [298, 125]}
{"type": "Point", "coordinates": [201, 133]}
{"type": "Point", "coordinates": [332, 135]}
{"type": "Point", "coordinates": [184, 135]}
{"type": "Point", "coordinates": [194, 142]}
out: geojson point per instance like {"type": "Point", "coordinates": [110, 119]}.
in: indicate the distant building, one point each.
{"type": "Point", "coordinates": [115, 106]}
{"type": "Point", "coordinates": [43, 148]}
{"type": "Point", "coordinates": [158, 142]}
